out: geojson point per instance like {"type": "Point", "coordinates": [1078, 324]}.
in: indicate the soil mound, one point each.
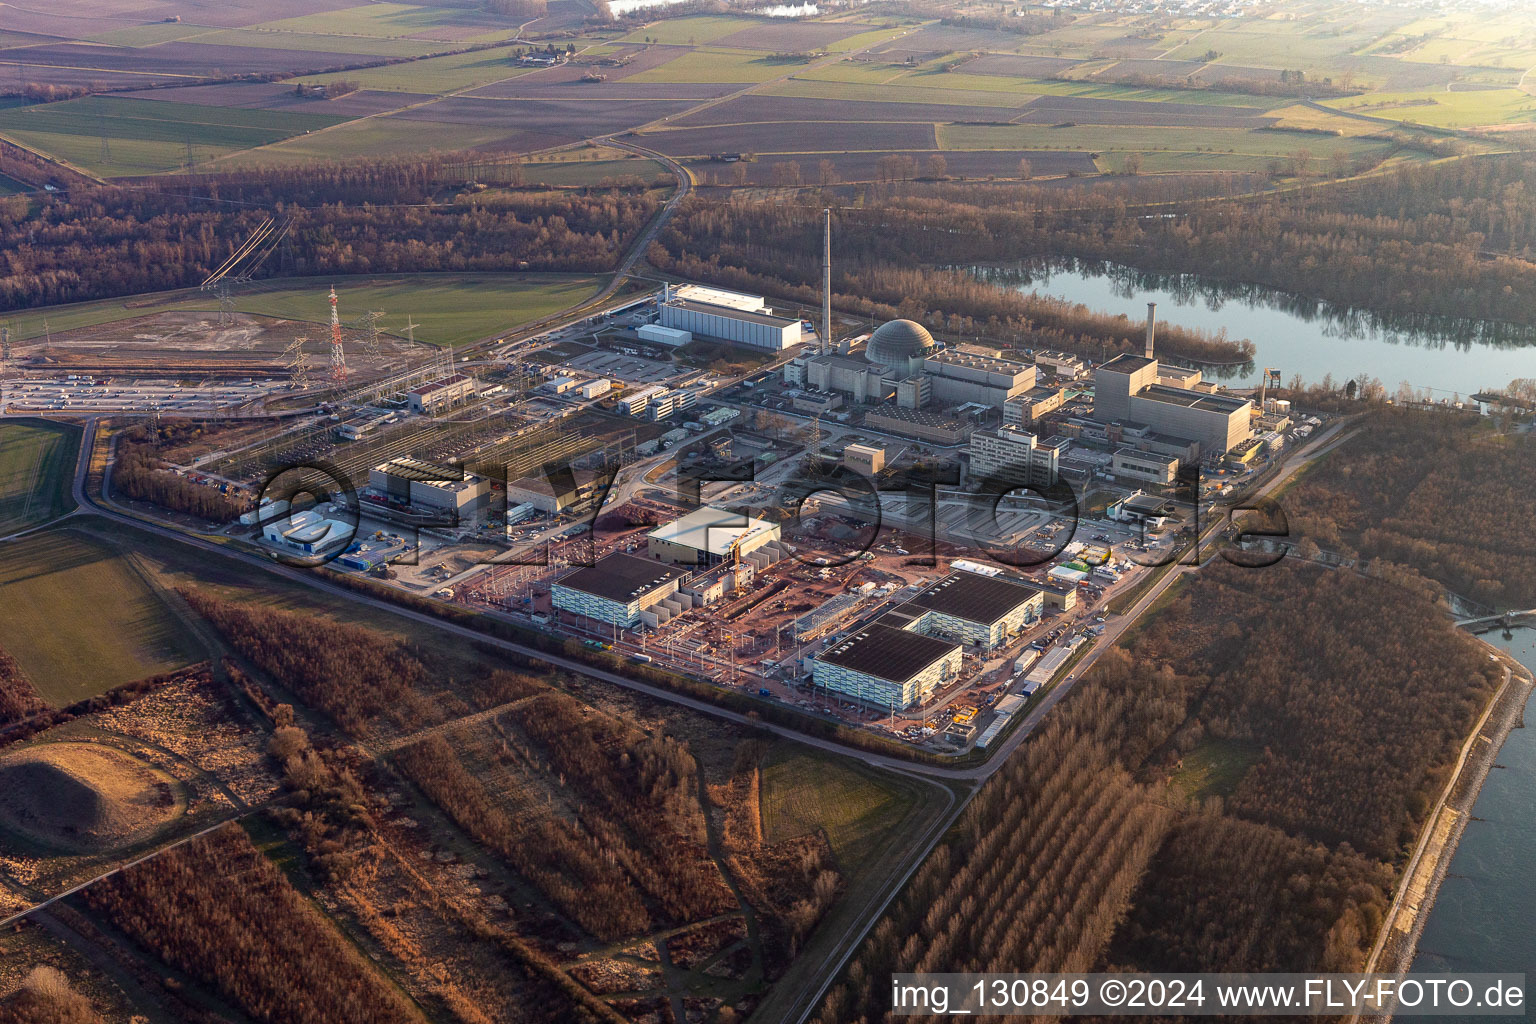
{"type": "Point", "coordinates": [84, 797]}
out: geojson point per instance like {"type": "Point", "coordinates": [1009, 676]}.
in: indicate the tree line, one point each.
{"type": "Point", "coordinates": [219, 910]}
{"type": "Point", "coordinates": [140, 474]}
{"type": "Point", "coordinates": [1451, 239]}
{"type": "Point", "coordinates": [18, 697]}
{"type": "Point", "coordinates": [1341, 702]}
{"type": "Point", "coordinates": [1442, 495]}
{"type": "Point", "coordinates": [105, 241]}
{"type": "Point", "coordinates": [882, 271]}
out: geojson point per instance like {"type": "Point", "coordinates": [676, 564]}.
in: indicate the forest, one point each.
{"type": "Point", "coordinates": [1337, 705]}
{"type": "Point", "coordinates": [608, 823]}
{"type": "Point", "coordinates": [219, 910]}
{"type": "Point", "coordinates": [1443, 239]}
{"type": "Point", "coordinates": [105, 241]}
{"type": "Point", "coordinates": [18, 697]}
{"type": "Point", "coordinates": [1426, 493]}
{"type": "Point", "coordinates": [771, 248]}
{"type": "Point", "coordinates": [139, 473]}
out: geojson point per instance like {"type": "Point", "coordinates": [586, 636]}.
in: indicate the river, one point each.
{"type": "Point", "coordinates": [1482, 918]}
{"type": "Point", "coordinates": [1297, 335]}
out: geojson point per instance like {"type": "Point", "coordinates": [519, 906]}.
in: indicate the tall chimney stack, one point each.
{"type": "Point", "coordinates": [1151, 327]}
{"type": "Point", "coordinates": [826, 287]}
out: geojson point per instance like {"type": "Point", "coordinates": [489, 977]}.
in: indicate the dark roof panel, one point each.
{"type": "Point", "coordinates": [887, 653]}
{"type": "Point", "coordinates": [622, 578]}
{"type": "Point", "coordinates": [973, 597]}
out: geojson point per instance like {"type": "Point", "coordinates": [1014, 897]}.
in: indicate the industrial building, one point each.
{"type": "Point", "coordinates": [955, 378]}
{"type": "Point", "coordinates": [753, 329]}
{"type": "Point", "coordinates": [307, 532]}
{"type": "Point", "coordinates": [1062, 364]}
{"type": "Point", "coordinates": [974, 609]}
{"type": "Point", "coordinates": [885, 667]}
{"type": "Point", "coordinates": [636, 403]}
{"type": "Point", "coordinates": [660, 335]}
{"type": "Point", "coordinates": [596, 388]}
{"type": "Point", "coordinates": [435, 396]}
{"type": "Point", "coordinates": [925, 426]}
{"type": "Point", "coordinates": [618, 590]}
{"type": "Point", "coordinates": [864, 458]}
{"type": "Point", "coordinates": [719, 297]}
{"type": "Point", "coordinates": [1150, 467]}
{"type": "Point", "coordinates": [1012, 455]}
{"type": "Point", "coordinates": [1140, 508]}
{"type": "Point", "coordinates": [709, 535]}
{"type": "Point", "coordinates": [544, 495]}
{"type": "Point", "coordinates": [1034, 404]}
{"type": "Point", "coordinates": [1132, 389]}
{"type": "Point", "coordinates": [423, 484]}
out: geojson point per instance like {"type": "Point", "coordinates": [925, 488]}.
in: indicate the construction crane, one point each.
{"type": "Point", "coordinates": [338, 357]}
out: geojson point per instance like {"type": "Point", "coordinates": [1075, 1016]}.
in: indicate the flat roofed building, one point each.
{"type": "Point", "coordinates": [437, 395]}
{"type": "Point", "coordinates": [707, 535]}
{"type": "Point", "coordinates": [1063, 364]}
{"type": "Point", "coordinates": [1012, 455]}
{"type": "Point", "coordinates": [857, 378]}
{"type": "Point", "coordinates": [975, 609]}
{"type": "Point", "coordinates": [925, 426]}
{"type": "Point", "coordinates": [1219, 422]}
{"type": "Point", "coordinates": [1147, 466]}
{"type": "Point", "coordinates": [1116, 381]}
{"type": "Point", "coordinates": [885, 667]}
{"type": "Point", "coordinates": [617, 588]}
{"type": "Point", "coordinates": [635, 403]}
{"type": "Point", "coordinates": [414, 482]}
{"type": "Point", "coordinates": [960, 377]}
{"type": "Point", "coordinates": [1023, 410]}
{"type": "Point", "coordinates": [744, 327]}
{"type": "Point", "coordinates": [720, 297]}
{"type": "Point", "coordinates": [868, 459]}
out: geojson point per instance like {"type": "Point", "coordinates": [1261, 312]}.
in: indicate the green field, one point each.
{"type": "Point", "coordinates": [149, 35]}
{"type": "Point", "coordinates": [713, 64]}
{"type": "Point", "coordinates": [37, 465]}
{"type": "Point", "coordinates": [449, 309]}
{"type": "Point", "coordinates": [1214, 768]}
{"type": "Point", "coordinates": [385, 20]}
{"type": "Point", "coordinates": [803, 792]}
{"type": "Point", "coordinates": [434, 75]}
{"type": "Point", "coordinates": [80, 620]}
{"type": "Point", "coordinates": [147, 136]}
{"type": "Point", "coordinates": [1446, 109]}
{"type": "Point", "coordinates": [703, 28]}
{"type": "Point", "coordinates": [366, 45]}
{"type": "Point", "coordinates": [374, 137]}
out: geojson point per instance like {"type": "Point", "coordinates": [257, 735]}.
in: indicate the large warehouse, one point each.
{"type": "Point", "coordinates": [709, 535]}
{"type": "Point", "coordinates": [617, 589]}
{"type": "Point", "coordinates": [974, 609]}
{"type": "Point", "coordinates": [413, 482]}
{"type": "Point", "coordinates": [744, 327]}
{"type": "Point", "coordinates": [884, 667]}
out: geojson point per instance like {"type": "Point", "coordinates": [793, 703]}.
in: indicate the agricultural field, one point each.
{"type": "Point", "coordinates": [37, 463]}
{"type": "Point", "coordinates": [1127, 72]}
{"type": "Point", "coordinates": [112, 135]}
{"type": "Point", "coordinates": [448, 309]}
{"type": "Point", "coordinates": [71, 642]}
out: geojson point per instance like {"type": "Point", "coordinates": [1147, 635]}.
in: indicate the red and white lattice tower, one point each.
{"type": "Point", "coordinates": [338, 357]}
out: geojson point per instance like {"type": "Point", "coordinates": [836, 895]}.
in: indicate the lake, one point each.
{"type": "Point", "coordinates": [1298, 335]}
{"type": "Point", "coordinates": [1481, 920]}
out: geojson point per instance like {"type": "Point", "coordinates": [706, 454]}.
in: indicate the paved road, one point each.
{"type": "Point", "coordinates": [806, 996]}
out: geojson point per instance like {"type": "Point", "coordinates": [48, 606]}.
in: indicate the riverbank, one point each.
{"type": "Point", "coordinates": [1398, 939]}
